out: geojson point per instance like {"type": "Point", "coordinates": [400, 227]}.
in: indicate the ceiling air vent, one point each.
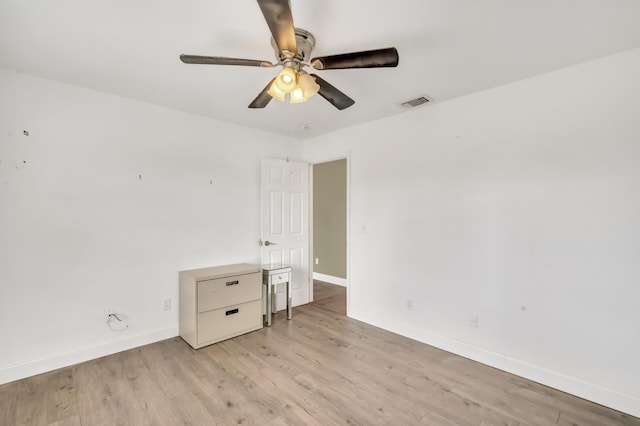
{"type": "Point", "coordinates": [416, 102]}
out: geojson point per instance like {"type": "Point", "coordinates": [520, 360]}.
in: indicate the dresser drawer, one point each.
{"type": "Point", "coordinates": [222, 292]}
{"type": "Point", "coordinates": [230, 321]}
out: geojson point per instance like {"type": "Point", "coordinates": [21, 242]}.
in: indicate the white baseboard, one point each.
{"type": "Point", "coordinates": [31, 368]}
{"type": "Point", "coordinates": [620, 401]}
{"type": "Point", "coordinates": [329, 279]}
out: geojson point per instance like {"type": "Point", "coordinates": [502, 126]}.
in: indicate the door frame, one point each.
{"type": "Point", "coordinates": [346, 156]}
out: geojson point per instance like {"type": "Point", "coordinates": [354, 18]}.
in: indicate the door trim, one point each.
{"type": "Point", "coordinates": [347, 281]}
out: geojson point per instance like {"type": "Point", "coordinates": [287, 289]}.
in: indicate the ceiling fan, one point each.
{"type": "Point", "coordinates": [293, 48]}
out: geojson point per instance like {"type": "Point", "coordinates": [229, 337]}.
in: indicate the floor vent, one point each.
{"type": "Point", "coordinates": [416, 102]}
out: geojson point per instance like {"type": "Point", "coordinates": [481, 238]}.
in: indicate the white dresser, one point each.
{"type": "Point", "coordinates": [219, 303]}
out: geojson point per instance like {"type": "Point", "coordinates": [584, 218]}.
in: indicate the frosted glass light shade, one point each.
{"type": "Point", "coordinates": [286, 80]}
{"type": "Point", "coordinates": [297, 96]}
{"type": "Point", "coordinates": [275, 92]}
{"type": "Point", "coordinates": [308, 85]}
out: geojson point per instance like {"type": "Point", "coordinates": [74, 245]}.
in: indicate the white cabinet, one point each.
{"type": "Point", "coordinates": [219, 303]}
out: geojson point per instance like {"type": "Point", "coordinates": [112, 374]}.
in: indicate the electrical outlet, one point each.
{"type": "Point", "coordinates": [167, 304]}
{"type": "Point", "coordinates": [409, 305]}
{"type": "Point", "coordinates": [317, 261]}
{"type": "Point", "coordinates": [473, 320]}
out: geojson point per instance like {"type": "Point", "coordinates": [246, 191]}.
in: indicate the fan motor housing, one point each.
{"type": "Point", "coordinates": [305, 42]}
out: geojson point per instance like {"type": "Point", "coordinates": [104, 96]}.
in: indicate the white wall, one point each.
{"type": "Point", "coordinates": [521, 205]}
{"type": "Point", "coordinates": [80, 231]}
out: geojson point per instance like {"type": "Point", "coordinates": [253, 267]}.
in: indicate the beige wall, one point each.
{"type": "Point", "coordinates": [330, 218]}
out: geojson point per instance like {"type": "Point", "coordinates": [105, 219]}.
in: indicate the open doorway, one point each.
{"type": "Point", "coordinates": [330, 224]}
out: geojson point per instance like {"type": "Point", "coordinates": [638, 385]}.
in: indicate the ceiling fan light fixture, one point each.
{"type": "Point", "coordinates": [299, 85]}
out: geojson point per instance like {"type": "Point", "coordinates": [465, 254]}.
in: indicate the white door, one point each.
{"type": "Point", "coordinates": [285, 223]}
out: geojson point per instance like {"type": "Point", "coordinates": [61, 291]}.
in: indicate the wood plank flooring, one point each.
{"type": "Point", "coordinates": [320, 368]}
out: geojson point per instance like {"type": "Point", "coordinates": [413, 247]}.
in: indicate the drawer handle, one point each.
{"type": "Point", "coordinates": [231, 312]}
{"type": "Point", "coordinates": [236, 282]}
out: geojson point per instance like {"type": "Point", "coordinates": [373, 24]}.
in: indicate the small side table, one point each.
{"type": "Point", "coordinates": [272, 275]}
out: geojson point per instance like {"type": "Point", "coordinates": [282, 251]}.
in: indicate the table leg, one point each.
{"type": "Point", "coordinates": [267, 309]}
{"type": "Point", "coordinates": [274, 299]}
{"type": "Point", "coordinates": [289, 299]}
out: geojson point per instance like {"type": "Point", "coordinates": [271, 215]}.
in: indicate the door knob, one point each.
{"type": "Point", "coordinates": [269, 243]}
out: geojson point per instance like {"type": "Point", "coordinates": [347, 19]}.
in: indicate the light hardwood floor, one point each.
{"type": "Point", "coordinates": [330, 296]}
{"type": "Point", "coordinates": [320, 368]}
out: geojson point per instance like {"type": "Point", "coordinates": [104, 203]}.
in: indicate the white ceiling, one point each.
{"type": "Point", "coordinates": [447, 48]}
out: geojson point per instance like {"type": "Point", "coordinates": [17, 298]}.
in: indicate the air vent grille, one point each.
{"type": "Point", "coordinates": [416, 102]}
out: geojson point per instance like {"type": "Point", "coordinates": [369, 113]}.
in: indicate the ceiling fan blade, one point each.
{"type": "Point", "coordinates": [263, 97]}
{"type": "Point", "coordinates": [219, 60]}
{"type": "Point", "coordinates": [366, 59]}
{"type": "Point", "coordinates": [333, 95]}
{"type": "Point", "coordinates": [277, 13]}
